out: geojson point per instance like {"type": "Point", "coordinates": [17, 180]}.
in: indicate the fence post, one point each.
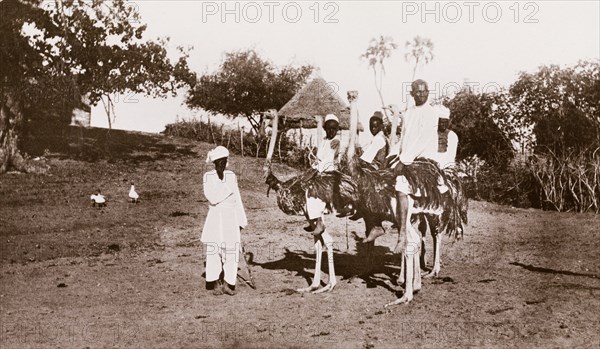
{"type": "Point", "coordinates": [241, 137]}
{"type": "Point", "coordinates": [319, 130]}
{"type": "Point", "coordinates": [211, 131]}
{"type": "Point", "coordinates": [301, 135]}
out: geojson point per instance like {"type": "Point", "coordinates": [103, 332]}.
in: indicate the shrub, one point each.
{"type": "Point", "coordinates": [512, 185]}
{"type": "Point", "coordinates": [568, 182]}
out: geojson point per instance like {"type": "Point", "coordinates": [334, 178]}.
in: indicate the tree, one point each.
{"type": "Point", "coordinates": [53, 55]}
{"type": "Point", "coordinates": [505, 113]}
{"type": "Point", "coordinates": [478, 132]}
{"type": "Point", "coordinates": [421, 50]}
{"type": "Point", "coordinates": [377, 52]}
{"type": "Point", "coordinates": [247, 85]}
{"type": "Point", "coordinates": [563, 104]}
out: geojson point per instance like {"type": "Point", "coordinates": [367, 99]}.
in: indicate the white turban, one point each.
{"type": "Point", "coordinates": [443, 112]}
{"type": "Point", "coordinates": [217, 153]}
{"type": "Point", "coordinates": [331, 117]}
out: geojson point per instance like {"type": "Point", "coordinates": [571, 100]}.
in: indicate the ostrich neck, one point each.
{"type": "Point", "coordinates": [352, 97]}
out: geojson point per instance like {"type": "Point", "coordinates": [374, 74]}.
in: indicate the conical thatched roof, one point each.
{"type": "Point", "coordinates": [317, 97]}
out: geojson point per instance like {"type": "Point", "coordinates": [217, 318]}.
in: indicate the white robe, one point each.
{"type": "Point", "coordinates": [419, 139]}
{"type": "Point", "coordinates": [226, 212]}
{"type": "Point", "coordinates": [448, 158]}
{"type": "Point", "coordinates": [370, 151]}
{"type": "Point", "coordinates": [327, 155]}
{"type": "Point", "coordinates": [221, 232]}
{"type": "Point", "coordinates": [420, 132]}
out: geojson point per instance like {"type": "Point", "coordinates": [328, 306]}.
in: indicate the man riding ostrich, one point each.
{"type": "Point", "coordinates": [378, 197]}
{"type": "Point", "coordinates": [445, 156]}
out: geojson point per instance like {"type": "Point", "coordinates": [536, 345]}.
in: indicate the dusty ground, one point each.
{"type": "Point", "coordinates": [130, 276]}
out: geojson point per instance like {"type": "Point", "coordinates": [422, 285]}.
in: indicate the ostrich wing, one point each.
{"type": "Point", "coordinates": [291, 197]}
{"type": "Point", "coordinates": [335, 188]}
{"type": "Point", "coordinates": [455, 205]}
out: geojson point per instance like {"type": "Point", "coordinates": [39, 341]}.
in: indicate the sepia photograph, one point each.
{"type": "Point", "coordinates": [299, 174]}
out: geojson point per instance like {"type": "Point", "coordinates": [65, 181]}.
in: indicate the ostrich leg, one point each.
{"type": "Point", "coordinates": [328, 241]}
{"type": "Point", "coordinates": [369, 246]}
{"type": "Point", "coordinates": [423, 231]}
{"type": "Point", "coordinates": [437, 242]}
{"type": "Point", "coordinates": [412, 262]}
{"type": "Point", "coordinates": [417, 261]}
{"type": "Point", "coordinates": [317, 276]}
{"type": "Point", "coordinates": [401, 277]}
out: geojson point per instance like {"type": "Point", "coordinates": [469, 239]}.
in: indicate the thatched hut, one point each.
{"type": "Point", "coordinates": [316, 98]}
{"type": "Point", "coordinates": [301, 115]}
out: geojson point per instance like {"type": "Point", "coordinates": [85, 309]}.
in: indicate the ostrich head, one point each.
{"type": "Point", "coordinates": [269, 114]}
{"type": "Point", "coordinates": [270, 179]}
{"type": "Point", "coordinates": [273, 183]}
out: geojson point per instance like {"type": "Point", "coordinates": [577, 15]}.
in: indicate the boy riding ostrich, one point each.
{"type": "Point", "coordinates": [320, 189]}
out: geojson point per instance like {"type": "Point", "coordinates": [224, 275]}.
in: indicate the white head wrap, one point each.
{"type": "Point", "coordinates": [331, 117]}
{"type": "Point", "coordinates": [217, 153]}
{"type": "Point", "coordinates": [443, 112]}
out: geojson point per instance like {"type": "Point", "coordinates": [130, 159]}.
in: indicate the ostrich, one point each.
{"type": "Point", "coordinates": [335, 188]}
{"type": "Point", "coordinates": [377, 203]}
{"type": "Point", "coordinates": [460, 208]}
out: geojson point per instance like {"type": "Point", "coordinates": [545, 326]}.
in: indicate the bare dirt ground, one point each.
{"type": "Point", "coordinates": [130, 276]}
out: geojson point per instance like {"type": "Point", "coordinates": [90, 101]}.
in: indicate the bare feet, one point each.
{"type": "Point", "coordinates": [375, 233]}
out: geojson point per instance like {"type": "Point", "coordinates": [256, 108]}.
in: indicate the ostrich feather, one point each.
{"type": "Point", "coordinates": [334, 188]}
{"type": "Point", "coordinates": [455, 205]}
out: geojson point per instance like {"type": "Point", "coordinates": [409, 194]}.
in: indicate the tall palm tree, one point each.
{"type": "Point", "coordinates": [420, 50]}
{"type": "Point", "coordinates": [379, 49]}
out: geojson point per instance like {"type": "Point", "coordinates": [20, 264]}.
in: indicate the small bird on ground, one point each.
{"type": "Point", "coordinates": [98, 199]}
{"type": "Point", "coordinates": [133, 195]}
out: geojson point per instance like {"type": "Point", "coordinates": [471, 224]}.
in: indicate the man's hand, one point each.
{"type": "Point", "coordinates": [393, 108]}
{"type": "Point", "coordinates": [399, 247]}
{"type": "Point", "coordinates": [399, 169]}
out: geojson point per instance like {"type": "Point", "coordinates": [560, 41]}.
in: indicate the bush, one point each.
{"type": "Point", "coordinates": [568, 182]}
{"type": "Point", "coordinates": [513, 185]}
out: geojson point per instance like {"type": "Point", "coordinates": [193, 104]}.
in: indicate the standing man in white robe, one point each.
{"type": "Point", "coordinates": [226, 218]}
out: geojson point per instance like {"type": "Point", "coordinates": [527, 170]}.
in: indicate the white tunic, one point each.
{"type": "Point", "coordinates": [377, 143]}
{"type": "Point", "coordinates": [448, 158]}
{"type": "Point", "coordinates": [226, 212]}
{"type": "Point", "coordinates": [419, 132]}
{"type": "Point", "coordinates": [327, 155]}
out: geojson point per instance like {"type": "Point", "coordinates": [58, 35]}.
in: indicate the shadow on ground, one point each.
{"type": "Point", "coordinates": [376, 266]}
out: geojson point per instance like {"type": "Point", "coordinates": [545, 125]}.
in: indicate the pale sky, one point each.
{"type": "Point", "coordinates": [487, 43]}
